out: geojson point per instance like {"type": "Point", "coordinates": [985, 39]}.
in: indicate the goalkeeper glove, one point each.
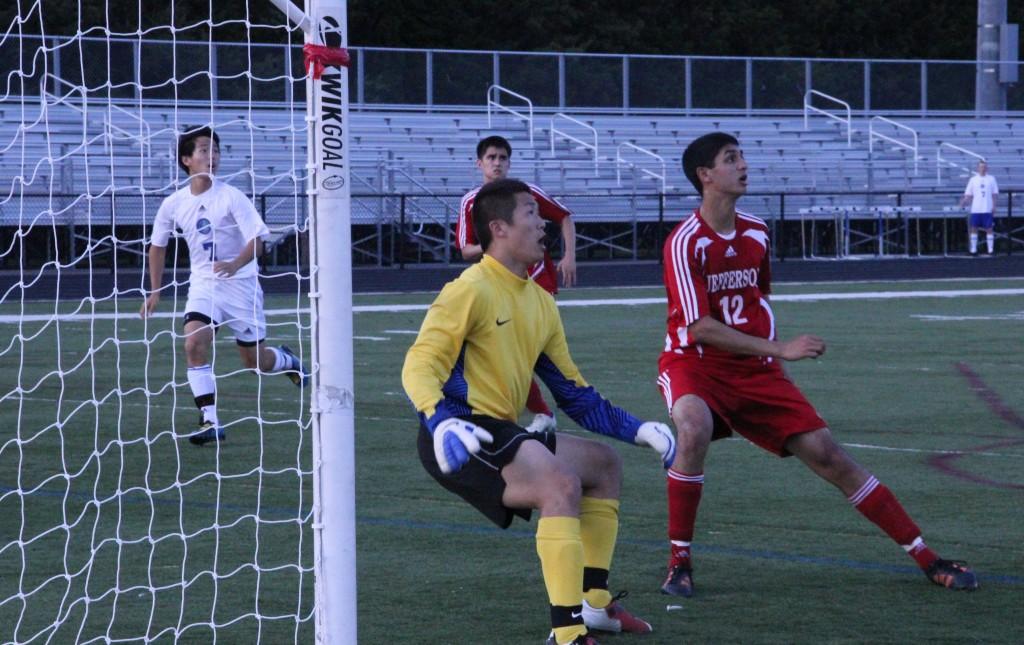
{"type": "Point", "coordinates": [660, 437]}
{"type": "Point", "coordinates": [455, 440]}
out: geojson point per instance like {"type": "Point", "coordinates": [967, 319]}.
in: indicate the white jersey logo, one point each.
{"type": "Point", "coordinates": [730, 252]}
{"type": "Point", "coordinates": [699, 251]}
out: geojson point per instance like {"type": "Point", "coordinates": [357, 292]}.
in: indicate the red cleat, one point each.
{"type": "Point", "coordinates": [614, 618]}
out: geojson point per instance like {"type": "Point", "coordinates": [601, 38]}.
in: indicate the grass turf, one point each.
{"type": "Point", "coordinates": [225, 538]}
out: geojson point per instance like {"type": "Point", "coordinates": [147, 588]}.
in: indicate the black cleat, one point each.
{"type": "Point", "coordinates": [295, 371]}
{"type": "Point", "coordinates": [207, 433]}
{"type": "Point", "coordinates": [952, 575]}
{"type": "Point", "coordinates": [679, 581]}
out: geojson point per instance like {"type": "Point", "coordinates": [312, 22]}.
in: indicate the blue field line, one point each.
{"type": "Point", "coordinates": [759, 554]}
{"type": "Point", "coordinates": [274, 512]}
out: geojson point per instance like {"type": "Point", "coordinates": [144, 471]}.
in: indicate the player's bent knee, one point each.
{"type": "Point", "coordinates": [560, 488]}
{"type": "Point", "coordinates": [824, 455]}
{"type": "Point", "coordinates": [693, 421]}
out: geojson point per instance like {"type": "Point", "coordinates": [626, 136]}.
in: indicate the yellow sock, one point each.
{"type": "Point", "coordinates": [599, 528]}
{"type": "Point", "coordinates": [561, 561]}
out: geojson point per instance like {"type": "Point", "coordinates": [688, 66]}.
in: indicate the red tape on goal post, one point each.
{"type": "Point", "coordinates": [320, 56]}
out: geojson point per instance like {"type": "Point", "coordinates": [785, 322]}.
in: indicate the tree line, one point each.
{"type": "Point", "coordinates": [931, 29]}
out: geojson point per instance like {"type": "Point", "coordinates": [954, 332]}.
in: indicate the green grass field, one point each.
{"type": "Point", "coordinates": [780, 556]}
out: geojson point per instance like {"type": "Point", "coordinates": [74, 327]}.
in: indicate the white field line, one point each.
{"type": "Point", "coordinates": [1019, 315]}
{"type": "Point", "coordinates": [603, 302]}
{"type": "Point", "coordinates": [246, 413]}
{"type": "Point", "coordinates": [867, 446]}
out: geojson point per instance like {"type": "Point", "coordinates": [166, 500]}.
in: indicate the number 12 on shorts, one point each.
{"type": "Point", "coordinates": [734, 317]}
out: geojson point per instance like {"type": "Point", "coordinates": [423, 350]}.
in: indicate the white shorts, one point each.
{"type": "Point", "coordinates": [235, 303]}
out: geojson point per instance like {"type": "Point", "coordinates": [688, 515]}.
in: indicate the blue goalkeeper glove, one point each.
{"type": "Point", "coordinates": [660, 437]}
{"type": "Point", "coordinates": [455, 440]}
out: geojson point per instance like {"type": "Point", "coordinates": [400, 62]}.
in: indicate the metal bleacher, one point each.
{"type": "Point", "coordinates": [56, 146]}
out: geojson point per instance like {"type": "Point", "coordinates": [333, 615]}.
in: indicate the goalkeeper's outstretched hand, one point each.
{"type": "Point", "coordinates": [455, 440]}
{"type": "Point", "coordinates": [660, 437]}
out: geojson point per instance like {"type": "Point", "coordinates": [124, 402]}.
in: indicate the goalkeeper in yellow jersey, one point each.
{"type": "Point", "coordinates": [468, 375]}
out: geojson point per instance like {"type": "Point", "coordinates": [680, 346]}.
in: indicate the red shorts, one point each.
{"type": "Point", "coordinates": [748, 396]}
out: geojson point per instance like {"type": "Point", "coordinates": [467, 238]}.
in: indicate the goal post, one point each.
{"type": "Point", "coordinates": [132, 515]}
{"type": "Point", "coordinates": [329, 192]}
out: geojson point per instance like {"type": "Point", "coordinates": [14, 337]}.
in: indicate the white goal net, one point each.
{"type": "Point", "coordinates": [115, 527]}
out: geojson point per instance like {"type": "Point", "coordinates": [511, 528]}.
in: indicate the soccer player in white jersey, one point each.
{"type": "Point", "coordinates": [223, 231]}
{"type": "Point", "coordinates": [720, 369]}
{"type": "Point", "coordinates": [981, 191]}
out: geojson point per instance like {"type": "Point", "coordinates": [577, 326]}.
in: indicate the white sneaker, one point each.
{"type": "Point", "coordinates": [542, 423]}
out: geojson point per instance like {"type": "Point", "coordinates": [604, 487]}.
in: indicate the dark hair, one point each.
{"type": "Point", "coordinates": [496, 200]}
{"type": "Point", "coordinates": [187, 142]}
{"type": "Point", "coordinates": [701, 153]}
{"type": "Point", "coordinates": [493, 141]}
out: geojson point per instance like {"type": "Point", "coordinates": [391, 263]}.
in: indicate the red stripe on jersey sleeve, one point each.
{"type": "Point", "coordinates": [464, 233]}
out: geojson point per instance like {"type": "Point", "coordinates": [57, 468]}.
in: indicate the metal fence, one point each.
{"type": "Point", "coordinates": [634, 226]}
{"type": "Point", "coordinates": [131, 70]}
{"type": "Point", "coordinates": [403, 228]}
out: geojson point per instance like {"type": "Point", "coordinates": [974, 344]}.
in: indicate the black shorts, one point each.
{"type": "Point", "coordinates": [479, 482]}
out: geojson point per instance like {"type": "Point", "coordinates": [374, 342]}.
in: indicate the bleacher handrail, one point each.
{"type": "Point", "coordinates": [565, 135]}
{"type": "Point", "coordinates": [145, 140]}
{"type": "Point", "coordinates": [939, 160]}
{"type": "Point", "coordinates": [497, 90]}
{"type": "Point", "coordinates": [58, 99]}
{"type": "Point", "coordinates": [428, 193]}
{"type": "Point", "coordinates": [620, 161]}
{"type": "Point", "coordinates": [873, 134]}
{"type": "Point", "coordinates": [808, 107]}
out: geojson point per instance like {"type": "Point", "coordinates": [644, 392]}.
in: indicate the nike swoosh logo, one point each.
{"type": "Point", "coordinates": [575, 614]}
{"type": "Point", "coordinates": [502, 322]}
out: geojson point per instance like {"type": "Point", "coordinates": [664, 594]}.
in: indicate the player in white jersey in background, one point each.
{"type": "Point", "coordinates": [223, 231]}
{"type": "Point", "coordinates": [981, 191]}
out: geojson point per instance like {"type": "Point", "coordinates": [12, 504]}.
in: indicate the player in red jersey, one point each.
{"type": "Point", "coordinates": [493, 158]}
{"type": "Point", "coordinates": [720, 370]}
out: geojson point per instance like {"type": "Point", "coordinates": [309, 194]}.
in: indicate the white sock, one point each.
{"type": "Point", "coordinates": [281, 361]}
{"type": "Point", "coordinates": [991, 243]}
{"type": "Point", "coordinates": [974, 242]}
{"type": "Point", "coordinates": [202, 384]}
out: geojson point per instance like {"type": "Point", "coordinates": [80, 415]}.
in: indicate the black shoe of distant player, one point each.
{"type": "Point", "coordinates": [974, 254]}
{"type": "Point", "coordinates": [585, 639]}
{"type": "Point", "coordinates": [295, 370]}
{"type": "Point", "coordinates": [207, 433]}
{"type": "Point", "coordinates": [679, 581]}
{"type": "Point", "coordinates": [952, 575]}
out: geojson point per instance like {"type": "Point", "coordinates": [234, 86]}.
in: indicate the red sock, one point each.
{"type": "Point", "coordinates": [878, 504]}
{"type": "Point", "coordinates": [535, 401]}
{"type": "Point", "coordinates": [683, 499]}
